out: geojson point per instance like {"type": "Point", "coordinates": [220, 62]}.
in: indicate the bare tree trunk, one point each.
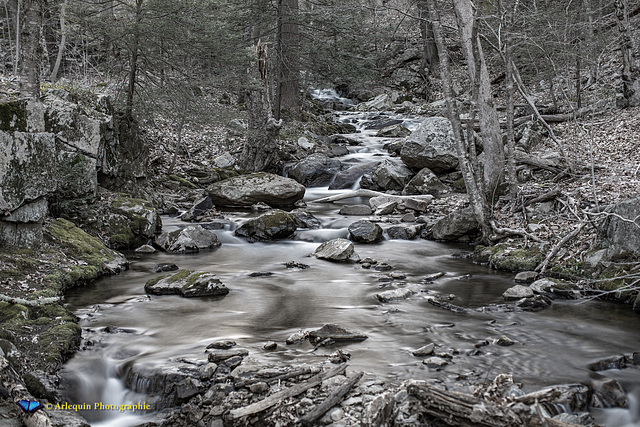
{"type": "Point", "coordinates": [16, 61]}
{"type": "Point", "coordinates": [494, 160]}
{"type": "Point", "coordinates": [31, 49]}
{"type": "Point", "coordinates": [63, 40]}
{"type": "Point", "coordinates": [429, 61]}
{"type": "Point", "coordinates": [288, 93]}
{"type": "Point", "coordinates": [512, 178]}
{"type": "Point", "coordinates": [476, 197]}
{"type": "Point", "coordinates": [133, 61]}
{"type": "Point", "coordinates": [630, 67]}
{"type": "Point", "coordinates": [259, 151]}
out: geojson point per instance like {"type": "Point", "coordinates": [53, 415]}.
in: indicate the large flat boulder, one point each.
{"type": "Point", "coordinates": [388, 175]}
{"type": "Point", "coordinates": [432, 146]}
{"type": "Point", "coordinates": [456, 225]}
{"type": "Point", "coordinates": [425, 182]}
{"type": "Point", "coordinates": [261, 187]}
{"type": "Point", "coordinates": [364, 231]}
{"type": "Point", "coordinates": [350, 177]}
{"type": "Point", "coordinates": [187, 283]}
{"type": "Point", "coordinates": [336, 250]}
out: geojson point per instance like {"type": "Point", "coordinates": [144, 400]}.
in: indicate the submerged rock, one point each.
{"type": "Point", "coordinates": [193, 238]}
{"type": "Point", "coordinates": [336, 250]}
{"type": "Point", "coordinates": [198, 208]}
{"type": "Point", "coordinates": [187, 283]}
{"type": "Point", "coordinates": [275, 224]}
{"type": "Point", "coordinates": [364, 231]}
{"type": "Point", "coordinates": [246, 190]}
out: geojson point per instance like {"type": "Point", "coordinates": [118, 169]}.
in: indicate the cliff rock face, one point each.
{"type": "Point", "coordinates": [53, 153]}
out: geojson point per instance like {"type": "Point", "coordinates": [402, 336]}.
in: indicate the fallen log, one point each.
{"type": "Point", "coordinates": [332, 400]}
{"type": "Point", "coordinates": [280, 377]}
{"type": "Point", "coordinates": [463, 410]}
{"type": "Point", "coordinates": [278, 397]}
{"type": "Point", "coordinates": [349, 195]}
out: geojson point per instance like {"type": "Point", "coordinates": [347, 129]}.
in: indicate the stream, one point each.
{"type": "Point", "coordinates": [124, 328]}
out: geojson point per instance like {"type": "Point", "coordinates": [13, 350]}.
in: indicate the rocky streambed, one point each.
{"type": "Point", "coordinates": [268, 311]}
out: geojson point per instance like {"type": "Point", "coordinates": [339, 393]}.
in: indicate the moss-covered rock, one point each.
{"type": "Point", "coordinates": [96, 258]}
{"type": "Point", "coordinates": [507, 258]}
{"type": "Point", "coordinates": [132, 222]}
{"type": "Point", "coordinates": [193, 238]}
{"type": "Point", "coordinates": [187, 283]}
{"type": "Point", "coordinates": [275, 224]}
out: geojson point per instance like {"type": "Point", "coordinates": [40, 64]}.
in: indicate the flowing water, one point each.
{"type": "Point", "coordinates": [552, 347]}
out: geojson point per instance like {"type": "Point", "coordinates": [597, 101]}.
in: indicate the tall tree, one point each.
{"type": "Point", "coordinates": [630, 60]}
{"type": "Point", "coordinates": [31, 48]}
{"type": "Point", "coordinates": [288, 41]}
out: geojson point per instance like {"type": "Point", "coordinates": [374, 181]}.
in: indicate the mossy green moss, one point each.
{"type": "Point", "coordinates": [183, 182]}
{"type": "Point", "coordinates": [504, 258]}
{"type": "Point", "coordinates": [77, 243]}
{"type": "Point", "coordinates": [59, 342]}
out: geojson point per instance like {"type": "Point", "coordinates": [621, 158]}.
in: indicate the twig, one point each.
{"type": "Point", "coordinates": [504, 232]}
{"type": "Point", "coordinates": [332, 400]}
{"type": "Point", "coordinates": [543, 266]}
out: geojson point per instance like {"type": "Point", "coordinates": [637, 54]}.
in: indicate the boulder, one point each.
{"type": "Point", "coordinates": [198, 208]}
{"type": "Point", "coordinates": [425, 182]}
{"type": "Point", "coordinates": [425, 350]}
{"type": "Point", "coordinates": [336, 250]}
{"type": "Point", "coordinates": [133, 222]}
{"type": "Point", "coordinates": [187, 283]}
{"type": "Point", "coordinates": [394, 295]}
{"type": "Point", "coordinates": [355, 210]}
{"type": "Point", "coordinates": [335, 333]}
{"type": "Point", "coordinates": [456, 225]}
{"type": "Point", "coordinates": [526, 277]}
{"type": "Point", "coordinates": [193, 238]}
{"type": "Point", "coordinates": [422, 200]}
{"type": "Point", "coordinates": [432, 146]}
{"type": "Point", "coordinates": [386, 208]}
{"type": "Point", "coordinates": [542, 286]}
{"type": "Point", "coordinates": [306, 220]}
{"type": "Point", "coordinates": [517, 292]}
{"type": "Point", "coordinates": [380, 103]}
{"type": "Point", "coordinates": [393, 131]}
{"type": "Point", "coordinates": [388, 175]}
{"type": "Point", "coordinates": [618, 234]}
{"type": "Point", "coordinates": [364, 231]}
{"type": "Point", "coordinates": [403, 232]}
{"type": "Point", "coordinates": [246, 190]}
{"type": "Point", "coordinates": [316, 170]}
{"type": "Point", "coordinates": [348, 178]}
{"type": "Point", "coordinates": [275, 224]}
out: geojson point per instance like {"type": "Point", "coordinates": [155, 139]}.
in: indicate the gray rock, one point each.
{"type": "Point", "coordinates": [364, 231]}
{"type": "Point", "coordinates": [425, 182]}
{"type": "Point", "coordinates": [389, 175]}
{"type": "Point", "coordinates": [408, 217]}
{"type": "Point", "coordinates": [435, 362]}
{"type": "Point", "coordinates": [386, 208]}
{"type": "Point", "coordinates": [608, 393]}
{"type": "Point", "coordinates": [534, 303]}
{"type": "Point", "coordinates": [193, 238]}
{"type": "Point", "coordinates": [187, 283]}
{"type": "Point", "coordinates": [136, 216]}
{"type": "Point", "coordinates": [379, 103]}
{"type": "Point", "coordinates": [403, 232]}
{"type": "Point", "coordinates": [335, 333]}
{"type": "Point", "coordinates": [305, 219]}
{"type": "Point", "coordinates": [433, 276]}
{"type": "Point", "coordinates": [355, 210]}
{"type": "Point", "coordinates": [432, 146]}
{"type": "Point", "coordinates": [304, 143]}
{"type": "Point", "coordinates": [394, 295]}
{"type": "Point", "coordinates": [505, 341]}
{"type": "Point", "coordinates": [222, 345]}
{"type": "Point", "coordinates": [270, 346]}
{"type": "Point", "coordinates": [276, 224]}
{"type": "Point", "coordinates": [417, 205]}
{"type": "Point", "coordinates": [198, 208]}
{"type": "Point", "coordinates": [220, 355]}
{"type": "Point", "coordinates": [426, 350]}
{"type": "Point", "coordinates": [393, 131]}
{"type": "Point", "coordinates": [542, 286]}
{"type": "Point", "coordinates": [375, 202]}
{"type": "Point", "coordinates": [259, 387]}
{"type": "Point", "coordinates": [146, 249]}
{"type": "Point", "coordinates": [457, 224]}
{"type": "Point", "coordinates": [336, 250]}
{"type": "Point", "coordinates": [350, 177]}
{"type": "Point", "coordinates": [297, 337]}
{"type": "Point", "coordinates": [526, 277]}
{"type": "Point", "coordinates": [517, 292]}
{"type": "Point", "coordinates": [226, 160]}
{"type": "Point", "coordinates": [316, 170]}
{"type": "Point", "coordinates": [619, 236]}
{"type": "Point", "coordinates": [61, 418]}
{"type": "Point", "coordinates": [246, 190]}
{"type": "Point", "coordinates": [159, 268]}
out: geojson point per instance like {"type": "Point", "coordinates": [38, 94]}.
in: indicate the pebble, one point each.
{"type": "Point", "coordinates": [383, 267]}
{"type": "Point", "coordinates": [222, 345]}
{"type": "Point", "coordinates": [435, 362]}
{"type": "Point", "coordinates": [337, 414]}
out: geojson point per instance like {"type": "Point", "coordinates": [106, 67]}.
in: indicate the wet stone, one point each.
{"type": "Point", "coordinates": [146, 249]}
{"type": "Point", "coordinates": [394, 295]}
{"type": "Point", "coordinates": [505, 341]}
{"type": "Point", "coordinates": [355, 210]}
{"type": "Point", "coordinates": [222, 345]}
{"type": "Point", "coordinates": [259, 387]}
{"type": "Point", "coordinates": [526, 277]}
{"type": "Point", "coordinates": [431, 277]}
{"type": "Point", "coordinates": [383, 267]}
{"type": "Point", "coordinates": [426, 350]}
{"type": "Point", "coordinates": [270, 346]}
{"type": "Point", "coordinates": [517, 292]}
{"type": "Point", "coordinates": [260, 274]}
{"type": "Point", "coordinates": [159, 268]}
{"type": "Point", "coordinates": [435, 362]}
{"type": "Point", "coordinates": [296, 265]}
